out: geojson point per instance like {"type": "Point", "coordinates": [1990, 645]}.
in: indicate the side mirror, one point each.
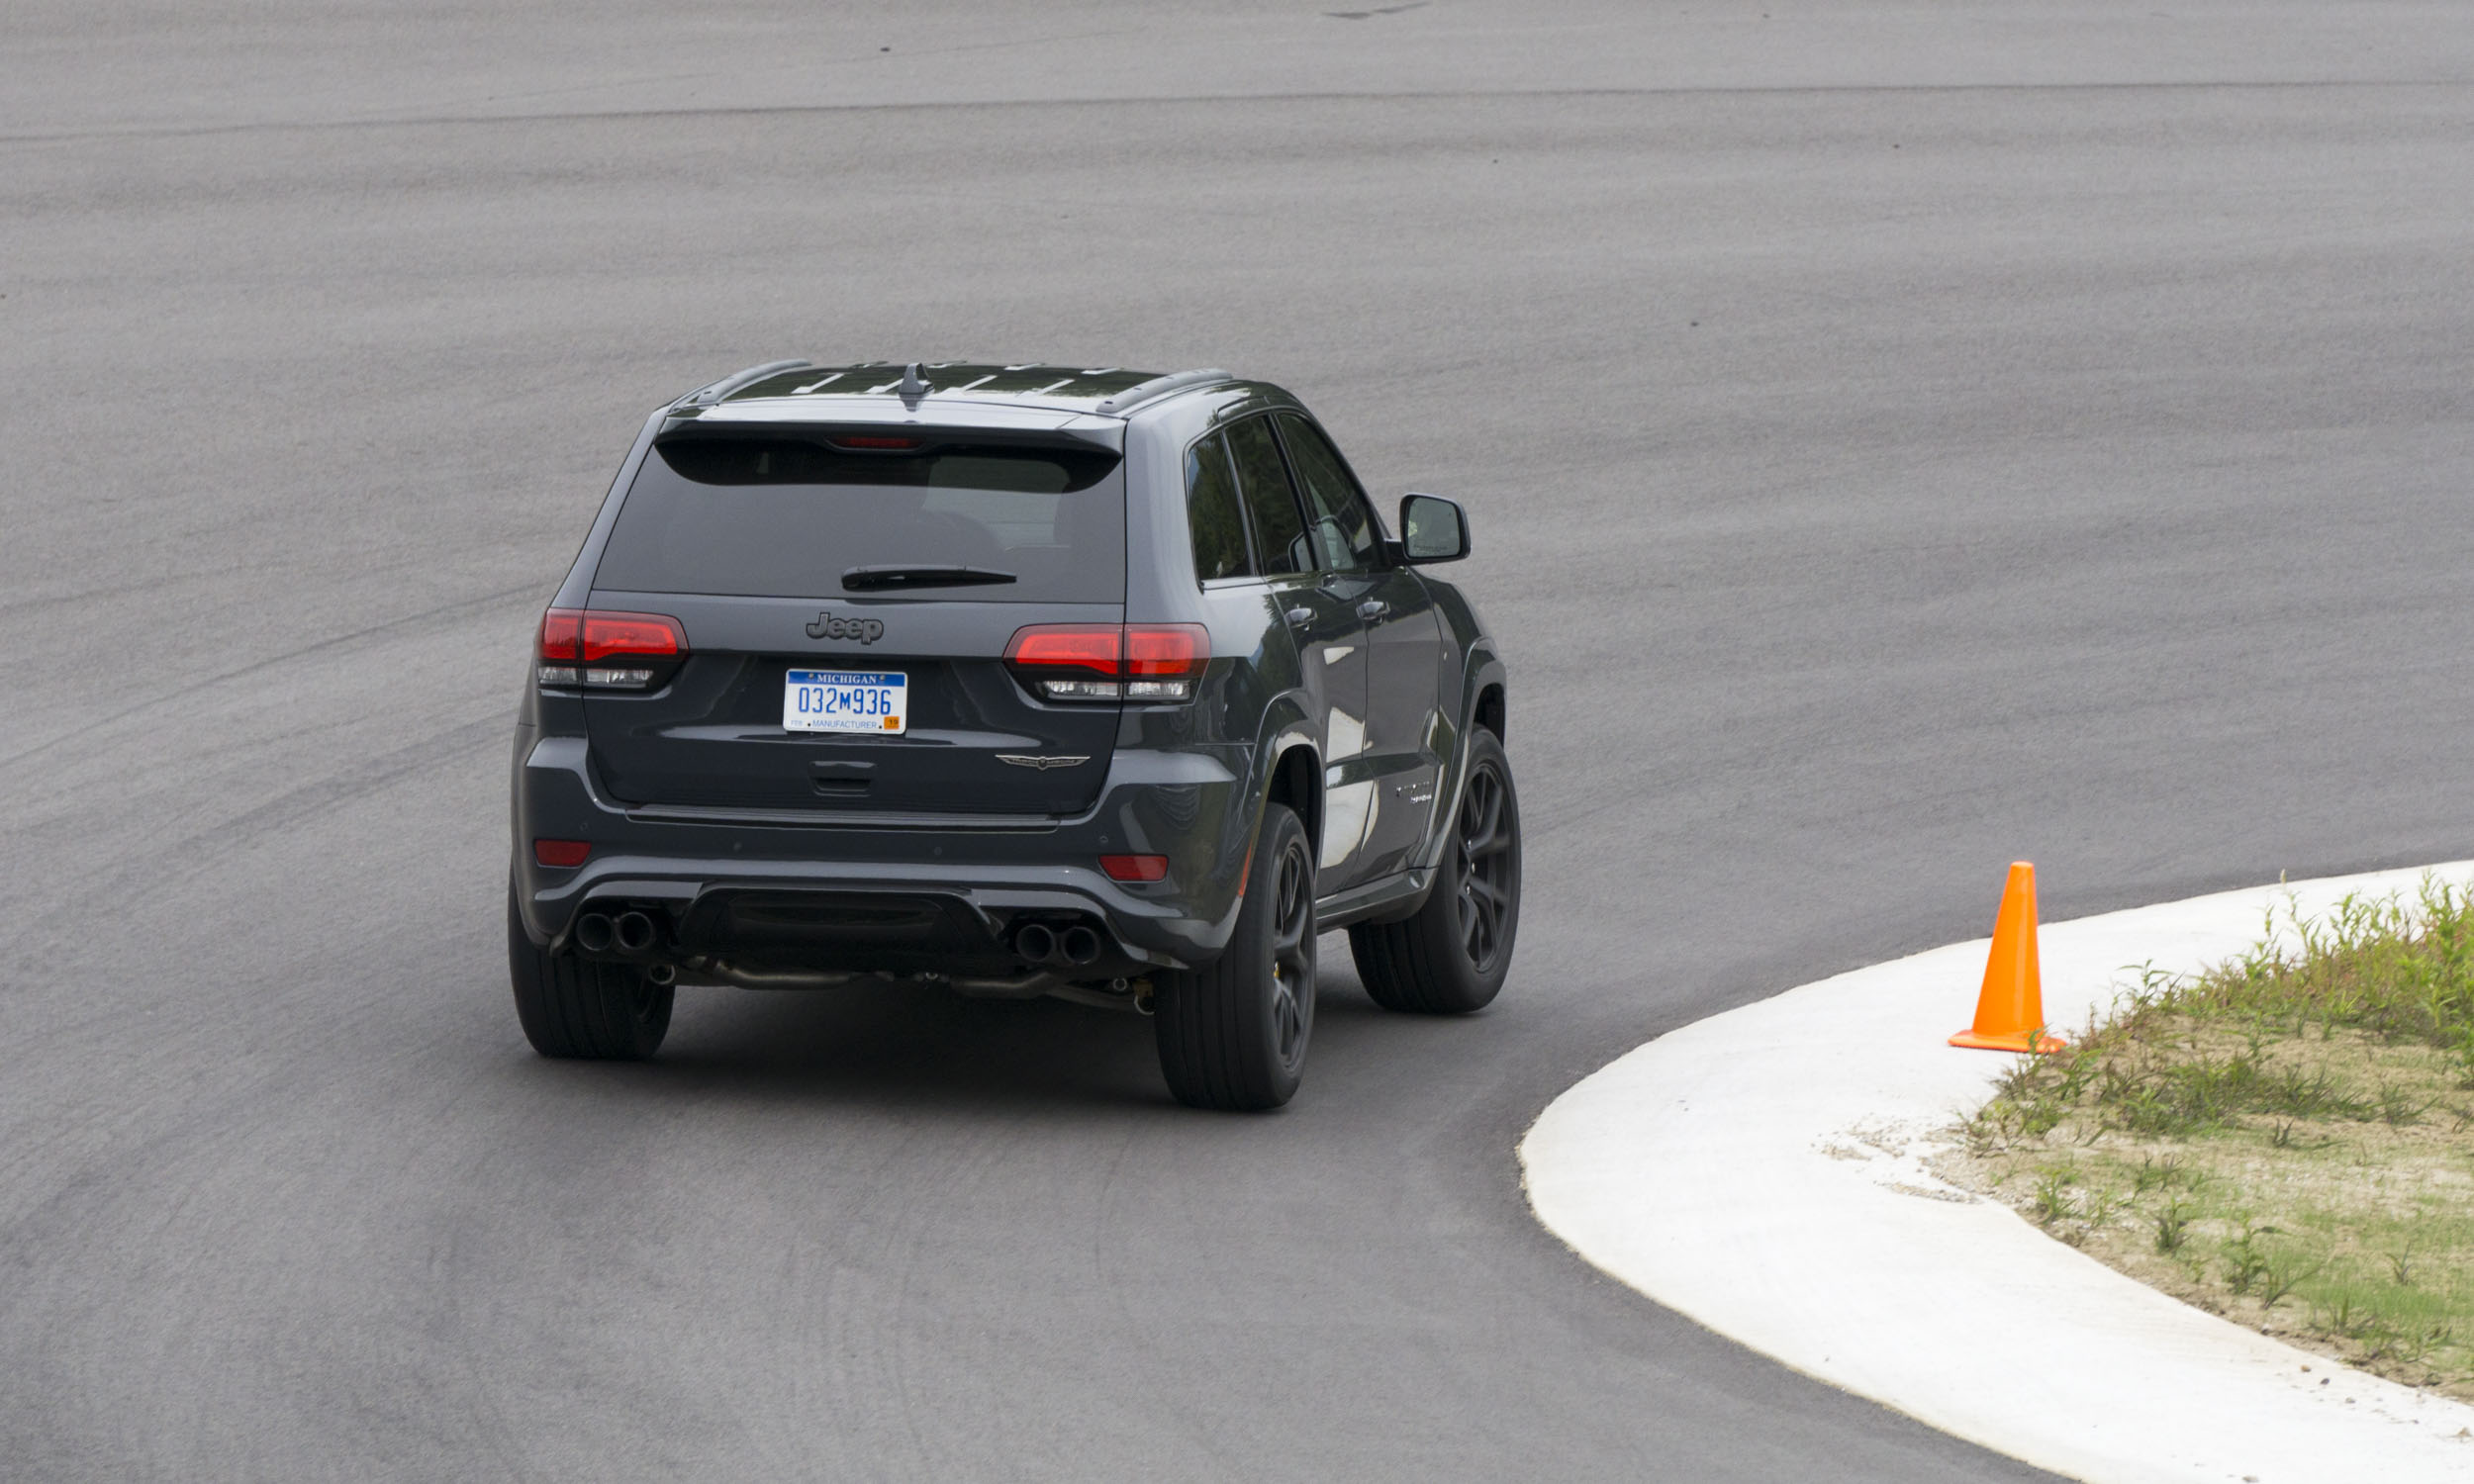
{"type": "Point", "coordinates": [1431, 530]}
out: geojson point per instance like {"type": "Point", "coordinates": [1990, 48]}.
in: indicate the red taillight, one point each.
{"type": "Point", "coordinates": [1135, 867]}
{"type": "Point", "coordinates": [1151, 662]}
{"type": "Point", "coordinates": [1068, 646]}
{"type": "Point", "coordinates": [562, 629]}
{"type": "Point", "coordinates": [577, 644]}
{"type": "Point", "coordinates": [1167, 650]}
{"type": "Point", "coordinates": [564, 854]}
{"type": "Point", "coordinates": [876, 443]}
{"type": "Point", "coordinates": [654, 634]}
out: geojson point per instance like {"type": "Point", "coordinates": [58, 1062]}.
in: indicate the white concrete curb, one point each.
{"type": "Point", "coordinates": [1759, 1171]}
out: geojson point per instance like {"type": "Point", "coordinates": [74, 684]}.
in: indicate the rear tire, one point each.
{"type": "Point", "coordinates": [1233, 1036]}
{"type": "Point", "coordinates": [583, 1009]}
{"type": "Point", "coordinates": [1450, 957]}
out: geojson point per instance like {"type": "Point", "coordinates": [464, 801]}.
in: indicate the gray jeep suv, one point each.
{"type": "Point", "coordinates": [1020, 681]}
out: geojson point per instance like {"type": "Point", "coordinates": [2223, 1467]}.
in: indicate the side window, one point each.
{"type": "Point", "coordinates": [1344, 532]}
{"type": "Point", "coordinates": [1219, 533]}
{"type": "Point", "coordinates": [1263, 478]}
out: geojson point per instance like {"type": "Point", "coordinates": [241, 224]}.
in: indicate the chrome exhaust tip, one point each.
{"type": "Point", "coordinates": [594, 934]}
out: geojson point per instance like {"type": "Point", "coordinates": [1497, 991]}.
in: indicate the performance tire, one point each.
{"type": "Point", "coordinates": [1233, 1036]}
{"type": "Point", "coordinates": [582, 1008]}
{"type": "Point", "coordinates": [1450, 957]}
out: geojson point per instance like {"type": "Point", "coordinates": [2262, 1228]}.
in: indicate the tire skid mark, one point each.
{"type": "Point", "coordinates": [341, 643]}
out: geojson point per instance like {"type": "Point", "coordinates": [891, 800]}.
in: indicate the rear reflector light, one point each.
{"type": "Point", "coordinates": [1135, 867]}
{"type": "Point", "coordinates": [561, 853]}
{"type": "Point", "coordinates": [572, 639]}
{"type": "Point", "coordinates": [1141, 662]}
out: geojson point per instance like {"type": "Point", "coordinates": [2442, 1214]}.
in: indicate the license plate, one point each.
{"type": "Point", "coordinates": [845, 700]}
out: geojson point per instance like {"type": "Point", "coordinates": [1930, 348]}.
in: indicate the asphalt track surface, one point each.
{"type": "Point", "coordinates": [1899, 439]}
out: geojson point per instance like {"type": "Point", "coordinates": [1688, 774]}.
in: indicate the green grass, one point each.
{"type": "Point", "coordinates": [2287, 1138]}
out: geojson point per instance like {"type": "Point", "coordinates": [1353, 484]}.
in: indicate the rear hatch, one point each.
{"type": "Point", "coordinates": [866, 581]}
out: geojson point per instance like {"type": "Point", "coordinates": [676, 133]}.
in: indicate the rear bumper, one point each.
{"type": "Point", "coordinates": [985, 876]}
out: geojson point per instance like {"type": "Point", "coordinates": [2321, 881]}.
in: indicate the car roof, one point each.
{"type": "Point", "coordinates": [797, 391]}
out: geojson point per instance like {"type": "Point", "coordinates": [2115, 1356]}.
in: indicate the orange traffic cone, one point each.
{"type": "Point", "coordinates": [2010, 1008]}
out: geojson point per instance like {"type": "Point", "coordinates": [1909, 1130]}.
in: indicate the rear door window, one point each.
{"type": "Point", "coordinates": [1279, 537]}
{"type": "Point", "coordinates": [1219, 531]}
{"type": "Point", "coordinates": [1343, 529]}
{"type": "Point", "coordinates": [786, 516]}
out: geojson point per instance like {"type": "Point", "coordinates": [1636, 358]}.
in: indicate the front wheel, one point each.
{"type": "Point", "coordinates": [1450, 957]}
{"type": "Point", "coordinates": [582, 1007]}
{"type": "Point", "coordinates": [1233, 1035]}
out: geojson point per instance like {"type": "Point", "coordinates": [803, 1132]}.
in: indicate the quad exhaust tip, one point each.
{"type": "Point", "coordinates": [1036, 941]}
{"type": "Point", "coordinates": [629, 932]}
{"type": "Point", "coordinates": [1074, 947]}
{"type": "Point", "coordinates": [634, 932]}
{"type": "Point", "coordinates": [1079, 945]}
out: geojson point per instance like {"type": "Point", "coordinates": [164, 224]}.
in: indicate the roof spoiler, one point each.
{"type": "Point", "coordinates": [706, 396]}
{"type": "Point", "coordinates": [1159, 386]}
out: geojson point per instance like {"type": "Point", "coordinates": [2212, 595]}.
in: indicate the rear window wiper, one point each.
{"type": "Point", "coordinates": [877, 579]}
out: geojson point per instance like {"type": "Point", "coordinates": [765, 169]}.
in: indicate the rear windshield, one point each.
{"type": "Point", "coordinates": [788, 517]}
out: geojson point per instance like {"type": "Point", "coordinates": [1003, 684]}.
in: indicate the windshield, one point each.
{"type": "Point", "coordinates": [788, 516]}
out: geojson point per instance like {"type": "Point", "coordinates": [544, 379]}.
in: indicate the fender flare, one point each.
{"type": "Point", "coordinates": [1288, 729]}
{"type": "Point", "coordinates": [1481, 671]}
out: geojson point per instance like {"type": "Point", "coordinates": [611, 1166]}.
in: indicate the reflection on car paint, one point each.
{"type": "Point", "coordinates": [1348, 808]}
{"type": "Point", "coordinates": [1344, 735]}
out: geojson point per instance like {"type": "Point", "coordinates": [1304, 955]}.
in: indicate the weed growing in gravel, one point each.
{"type": "Point", "coordinates": [2287, 1138]}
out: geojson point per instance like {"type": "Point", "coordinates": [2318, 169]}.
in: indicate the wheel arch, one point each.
{"type": "Point", "coordinates": [1489, 710]}
{"type": "Point", "coordinates": [1295, 780]}
{"type": "Point", "coordinates": [1484, 706]}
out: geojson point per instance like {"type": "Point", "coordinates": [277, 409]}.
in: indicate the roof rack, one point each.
{"type": "Point", "coordinates": [1159, 386]}
{"type": "Point", "coordinates": [706, 396]}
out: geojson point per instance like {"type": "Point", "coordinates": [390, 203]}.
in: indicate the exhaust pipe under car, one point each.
{"type": "Point", "coordinates": [594, 933]}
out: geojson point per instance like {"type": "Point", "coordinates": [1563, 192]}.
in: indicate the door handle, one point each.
{"type": "Point", "coordinates": [1299, 617]}
{"type": "Point", "coordinates": [1372, 609]}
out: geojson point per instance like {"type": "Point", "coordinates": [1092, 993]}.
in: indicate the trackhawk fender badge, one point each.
{"type": "Point", "coordinates": [865, 630]}
{"type": "Point", "coordinates": [1043, 764]}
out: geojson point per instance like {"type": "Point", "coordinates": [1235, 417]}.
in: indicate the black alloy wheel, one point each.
{"type": "Point", "coordinates": [1451, 956]}
{"type": "Point", "coordinates": [1234, 1035]}
{"type": "Point", "coordinates": [1292, 956]}
{"type": "Point", "coordinates": [1485, 866]}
